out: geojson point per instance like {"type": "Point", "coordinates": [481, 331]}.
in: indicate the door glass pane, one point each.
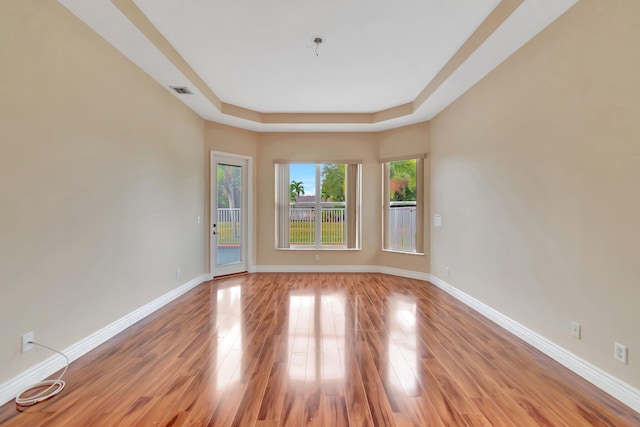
{"type": "Point", "coordinates": [229, 225]}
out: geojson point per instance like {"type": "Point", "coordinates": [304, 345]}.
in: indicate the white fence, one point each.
{"type": "Point", "coordinates": [302, 228]}
{"type": "Point", "coordinates": [228, 227]}
{"type": "Point", "coordinates": [402, 226]}
{"type": "Point", "coordinates": [302, 224]}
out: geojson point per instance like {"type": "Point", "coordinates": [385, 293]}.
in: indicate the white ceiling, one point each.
{"type": "Point", "coordinates": [258, 55]}
{"type": "Point", "coordinates": [378, 54]}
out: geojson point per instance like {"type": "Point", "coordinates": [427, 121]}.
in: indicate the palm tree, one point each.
{"type": "Point", "coordinates": [297, 189]}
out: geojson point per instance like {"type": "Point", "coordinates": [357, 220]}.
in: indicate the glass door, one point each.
{"type": "Point", "coordinates": [229, 216]}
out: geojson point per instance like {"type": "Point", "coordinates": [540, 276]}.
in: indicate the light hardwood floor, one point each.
{"type": "Point", "coordinates": [319, 349]}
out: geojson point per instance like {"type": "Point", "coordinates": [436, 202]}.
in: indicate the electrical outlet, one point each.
{"type": "Point", "coordinates": [576, 330]}
{"type": "Point", "coordinates": [620, 353]}
{"type": "Point", "coordinates": [316, 257]}
{"type": "Point", "coordinates": [446, 270]}
{"type": "Point", "coordinates": [177, 273]}
{"type": "Point", "coordinates": [198, 219]}
{"type": "Point", "coordinates": [27, 341]}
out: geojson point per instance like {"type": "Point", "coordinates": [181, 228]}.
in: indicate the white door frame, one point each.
{"type": "Point", "coordinates": [247, 201]}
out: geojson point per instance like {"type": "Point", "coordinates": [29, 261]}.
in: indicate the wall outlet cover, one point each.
{"type": "Point", "coordinates": [576, 330]}
{"type": "Point", "coordinates": [27, 341]}
{"type": "Point", "coordinates": [620, 353]}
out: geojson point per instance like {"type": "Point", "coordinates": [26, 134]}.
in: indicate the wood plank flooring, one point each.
{"type": "Point", "coordinates": [319, 350]}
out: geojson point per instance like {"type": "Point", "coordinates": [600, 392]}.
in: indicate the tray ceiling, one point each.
{"type": "Point", "coordinates": [381, 64]}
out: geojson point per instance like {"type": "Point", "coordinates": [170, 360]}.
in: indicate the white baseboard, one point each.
{"type": "Point", "coordinates": [10, 388]}
{"type": "Point", "coordinates": [404, 273]}
{"type": "Point", "coordinates": [310, 268]}
{"type": "Point", "coordinates": [622, 391]}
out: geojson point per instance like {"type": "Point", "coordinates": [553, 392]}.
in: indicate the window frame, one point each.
{"type": "Point", "coordinates": [386, 205]}
{"type": "Point", "coordinates": [352, 202]}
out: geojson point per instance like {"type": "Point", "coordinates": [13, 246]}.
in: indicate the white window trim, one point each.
{"type": "Point", "coordinates": [386, 204]}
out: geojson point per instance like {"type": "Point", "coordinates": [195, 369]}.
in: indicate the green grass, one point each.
{"type": "Point", "coordinates": [303, 232]}
{"type": "Point", "coordinates": [225, 233]}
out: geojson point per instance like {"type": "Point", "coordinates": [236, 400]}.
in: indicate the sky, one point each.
{"type": "Point", "coordinates": [305, 173]}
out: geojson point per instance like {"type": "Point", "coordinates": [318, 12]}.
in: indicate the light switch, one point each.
{"type": "Point", "coordinates": [437, 220]}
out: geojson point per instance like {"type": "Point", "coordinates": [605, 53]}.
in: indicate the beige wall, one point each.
{"type": "Point", "coordinates": [409, 140]}
{"type": "Point", "coordinates": [230, 140]}
{"type": "Point", "coordinates": [535, 171]}
{"type": "Point", "coordinates": [100, 183]}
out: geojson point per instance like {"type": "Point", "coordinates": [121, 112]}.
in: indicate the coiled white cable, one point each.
{"type": "Point", "coordinates": [53, 386]}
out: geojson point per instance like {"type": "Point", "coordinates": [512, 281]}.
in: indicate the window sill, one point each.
{"type": "Point", "coordinates": [396, 251]}
{"type": "Point", "coordinates": [304, 248]}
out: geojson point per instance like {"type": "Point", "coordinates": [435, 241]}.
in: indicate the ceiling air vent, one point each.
{"type": "Point", "coordinates": [182, 90]}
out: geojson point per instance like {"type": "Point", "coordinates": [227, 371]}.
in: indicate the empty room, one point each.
{"type": "Point", "coordinates": [349, 213]}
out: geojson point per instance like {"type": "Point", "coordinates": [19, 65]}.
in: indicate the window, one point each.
{"type": "Point", "coordinates": [317, 205]}
{"type": "Point", "coordinates": [403, 204]}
